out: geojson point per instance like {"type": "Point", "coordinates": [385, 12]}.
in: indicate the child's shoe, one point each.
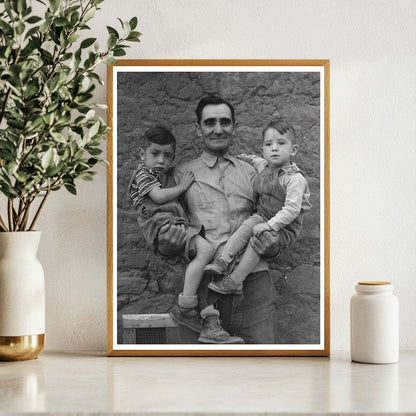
{"type": "Point", "coordinates": [226, 286]}
{"type": "Point", "coordinates": [218, 266]}
{"type": "Point", "coordinates": [188, 317]}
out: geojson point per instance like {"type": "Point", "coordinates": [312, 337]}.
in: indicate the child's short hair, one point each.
{"type": "Point", "coordinates": [282, 126]}
{"type": "Point", "coordinates": [159, 135]}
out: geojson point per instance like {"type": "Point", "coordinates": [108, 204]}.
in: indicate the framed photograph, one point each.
{"type": "Point", "coordinates": [218, 208]}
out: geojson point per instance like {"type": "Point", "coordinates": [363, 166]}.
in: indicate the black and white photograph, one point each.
{"type": "Point", "coordinates": [218, 209]}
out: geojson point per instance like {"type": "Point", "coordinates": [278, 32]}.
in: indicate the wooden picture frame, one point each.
{"type": "Point", "coordinates": [142, 286]}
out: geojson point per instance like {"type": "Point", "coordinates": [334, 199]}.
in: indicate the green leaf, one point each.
{"type": "Point", "coordinates": [63, 41]}
{"type": "Point", "coordinates": [20, 27]}
{"type": "Point", "coordinates": [112, 31]}
{"type": "Point", "coordinates": [121, 22]}
{"type": "Point", "coordinates": [92, 161]}
{"type": "Point", "coordinates": [88, 16]}
{"type": "Point", "coordinates": [119, 52]}
{"type": "Point", "coordinates": [90, 115]}
{"type": "Point", "coordinates": [110, 60]}
{"type": "Point", "coordinates": [94, 151]}
{"type": "Point", "coordinates": [112, 41]}
{"type": "Point", "coordinates": [134, 37]}
{"type": "Point", "coordinates": [86, 176]}
{"type": "Point", "coordinates": [82, 98]}
{"type": "Point", "coordinates": [33, 19]}
{"type": "Point", "coordinates": [133, 23]}
{"type": "Point", "coordinates": [94, 129]}
{"type": "Point", "coordinates": [46, 56]}
{"type": "Point", "coordinates": [87, 42]}
{"type": "Point", "coordinates": [7, 30]}
{"type": "Point", "coordinates": [73, 38]}
{"type": "Point", "coordinates": [78, 154]}
{"type": "Point", "coordinates": [53, 83]}
{"type": "Point", "coordinates": [54, 4]}
{"type": "Point", "coordinates": [35, 125]}
{"type": "Point", "coordinates": [70, 188]}
{"type": "Point", "coordinates": [58, 137]}
{"type": "Point", "coordinates": [61, 21]}
{"type": "Point", "coordinates": [49, 118]}
{"type": "Point", "coordinates": [67, 56]}
{"type": "Point", "coordinates": [8, 190]}
{"type": "Point", "coordinates": [67, 153]}
{"type": "Point", "coordinates": [21, 177]}
{"type": "Point", "coordinates": [31, 90]}
{"type": "Point", "coordinates": [52, 171]}
{"type": "Point", "coordinates": [74, 18]}
{"type": "Point", "coordinates": [16, 124]}
{"type": "Point", "coordinates": [11, 168]}
{"type": "Point", "coordinates": [47, 158]}
{"type": "Point", "coordinates": [32, 31]}
{"type": "Point", "coordinates": [10, 7]}
{"type": "Point", "coordinates": [21, 6]}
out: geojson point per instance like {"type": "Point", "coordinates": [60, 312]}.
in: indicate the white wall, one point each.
{"type": "Point", "coordinates": [371, 45]}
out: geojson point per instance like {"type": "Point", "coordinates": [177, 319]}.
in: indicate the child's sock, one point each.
{"type": "Point", "coordinates": [209, 311]}
{"type": "Point", "coordinates": [187, 302]}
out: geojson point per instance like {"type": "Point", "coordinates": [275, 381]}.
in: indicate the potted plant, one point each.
{"type": "Point", "coordinates": [50, 136]}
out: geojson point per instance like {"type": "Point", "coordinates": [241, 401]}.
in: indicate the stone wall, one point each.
{"type": "Point", "coordinates": [147, 284]}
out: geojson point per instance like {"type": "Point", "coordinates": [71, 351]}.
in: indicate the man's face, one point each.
{"type": "Point", "coordinates": [216, 128]}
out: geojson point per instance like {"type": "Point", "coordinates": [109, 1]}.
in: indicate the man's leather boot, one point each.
{"type": "Point", "coordinates": [213, 333]}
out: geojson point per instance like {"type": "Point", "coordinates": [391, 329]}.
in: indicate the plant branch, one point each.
{"type": "Point", "coordinates": [35, 145]}
{"type": "Point", "coordinates": [32, 225]}
{"type": "Point", "coordinates": [32, 90]}
{"type": "Point", "coordinates": [19, 215]}
{"type": "Point", "coordinates": [26, 216]}
{"type": "Point", "coordinates": [10, 213]}
{"type": "Point", "coordinates": [23, 213]}
{"type": "Point", "coordinates": [2, 225]}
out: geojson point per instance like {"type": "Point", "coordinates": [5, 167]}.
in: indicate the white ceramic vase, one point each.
{"type": "Point", "coordinates": [22, 296]}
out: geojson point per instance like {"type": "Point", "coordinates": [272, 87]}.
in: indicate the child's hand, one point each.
{"type": "Point", "coordinates": [245, 158]}
{"type": "Point", "coordinates": [186, 180]}
{"type": "Point", "coordinates": [259, 228]}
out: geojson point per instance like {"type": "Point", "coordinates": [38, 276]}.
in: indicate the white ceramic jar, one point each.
{"type": "Point", "coordinates": [22, 296]}
{"type": "Point", "coordinates": [374, 323]}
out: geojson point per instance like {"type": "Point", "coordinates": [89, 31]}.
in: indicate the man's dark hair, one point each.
{"type": "Point", "coordinates": [212, 100]}
{"type": "Point", "coordinates": [159, 135]}
{"type": "Point", "coordinates": [282, 126]}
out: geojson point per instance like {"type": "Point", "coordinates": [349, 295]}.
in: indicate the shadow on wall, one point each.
{"type": "Point", "coordinates": [147, 284]}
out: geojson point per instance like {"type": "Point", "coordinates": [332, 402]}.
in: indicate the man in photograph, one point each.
{"type": "Point", "coordinates": [220, 199]}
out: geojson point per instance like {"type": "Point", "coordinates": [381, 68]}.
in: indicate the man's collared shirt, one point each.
{"type": "Point", "coordinates": [221, 197]}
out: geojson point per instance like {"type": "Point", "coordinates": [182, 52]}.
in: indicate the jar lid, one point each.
{"type": "Point", "coordinates": [374, 283]}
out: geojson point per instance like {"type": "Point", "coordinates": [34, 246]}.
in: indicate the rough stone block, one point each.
{"type": "Point", "coordinates": [298, 302]}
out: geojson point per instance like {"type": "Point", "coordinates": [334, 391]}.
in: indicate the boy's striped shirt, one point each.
{"type": "Point", "coordinates": [142, 182]}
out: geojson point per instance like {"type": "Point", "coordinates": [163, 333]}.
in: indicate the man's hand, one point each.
{"type": "Point", "coordinates": [260, 228]}
{"type": "Point", "coordinates": [246, 158]}
{"type": "Point", "coordinates": [171, 239]}
{"type": "Point", "coordinates": [267, 244]}
{"type": "Point", "coordinates": [186, 180]}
